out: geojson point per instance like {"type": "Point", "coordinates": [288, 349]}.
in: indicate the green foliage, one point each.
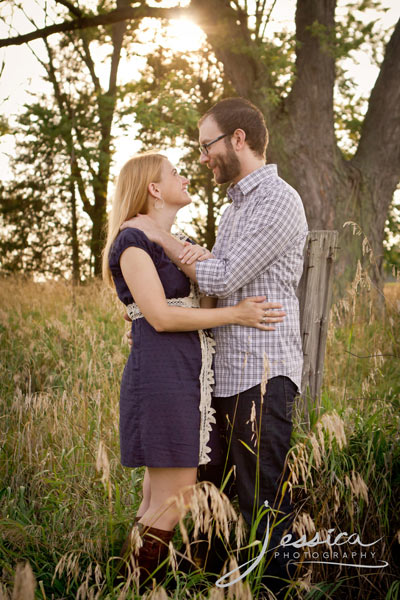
{"type": "Point", "coordinates": [71, 134]}
{"type": "Point", "coordinates": [4, 126]}
{"type": "Point", "coordinates": [83, 110]}
{"type": "Point", "coordinates": [356, 31]}
{"type": "Point", "coordinates": [279, 58]}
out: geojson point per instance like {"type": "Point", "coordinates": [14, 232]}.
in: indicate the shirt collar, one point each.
{"type": "Point", "coordinates": [237, 192]}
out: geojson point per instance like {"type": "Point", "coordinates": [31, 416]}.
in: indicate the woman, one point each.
{"type": "Point", "coordinates": [165, 411]}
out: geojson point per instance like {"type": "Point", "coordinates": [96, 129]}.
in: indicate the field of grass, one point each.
{"type": "Point", "coordinates": [66, 502]}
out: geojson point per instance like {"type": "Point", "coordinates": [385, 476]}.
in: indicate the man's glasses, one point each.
{"type": "Point", "coordinates": [204, 147]}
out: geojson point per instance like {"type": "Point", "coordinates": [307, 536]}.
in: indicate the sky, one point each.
{"type": "Point", "coordinates": [21, 76]}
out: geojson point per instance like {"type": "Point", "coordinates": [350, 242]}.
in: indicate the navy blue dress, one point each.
{"type": "Point", "coordinates": [160, 388]}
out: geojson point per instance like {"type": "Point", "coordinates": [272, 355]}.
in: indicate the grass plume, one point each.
{"type": "Point", "coordinates": [66, 503]}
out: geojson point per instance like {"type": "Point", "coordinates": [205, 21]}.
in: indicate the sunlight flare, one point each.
{"type": "Point", "coordinates": [183, 35]}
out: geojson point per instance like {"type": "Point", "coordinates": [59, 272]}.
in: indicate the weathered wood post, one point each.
{"type": "Point", "coordinates": [315, 297]}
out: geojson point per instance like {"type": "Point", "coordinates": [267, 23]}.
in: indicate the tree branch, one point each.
{"type": "Point", "coordinates": [261, 34]}
{"type": "Point", "coordinates": [74, 10]}
{"type": "Point", "coordinates": [108, 100]}
{"type": "Point", "coordinates": [114, 16]}
{"type": "Point", "coordinates": [230, 39]}
{"type": "Point", "coordinates": [87, 57]}
{"type": "Point", "coordinates": [379, 147]}
{"type": "Point", "coordinates": [118, 32]}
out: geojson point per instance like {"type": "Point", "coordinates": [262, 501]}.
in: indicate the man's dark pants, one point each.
{"type": "Point", "coordinates": [249, 424]}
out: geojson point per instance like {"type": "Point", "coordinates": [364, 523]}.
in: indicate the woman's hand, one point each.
{"type": "Point", "coordinates": [255, 312]}
{"type": "Point", "coordinates": [192, 252]}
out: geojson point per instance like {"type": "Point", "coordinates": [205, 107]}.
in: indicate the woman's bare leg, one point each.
{"type": "Point", "coordinates": [145, 503]}
{"type": "Point", "coordinates": [164, 484]}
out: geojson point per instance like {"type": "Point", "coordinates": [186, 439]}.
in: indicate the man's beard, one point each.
{"type": "Point", "coordinates": [228, 166]}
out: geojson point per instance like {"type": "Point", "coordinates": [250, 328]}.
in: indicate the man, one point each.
{"type": "Point", "coordinates": [258, 251]}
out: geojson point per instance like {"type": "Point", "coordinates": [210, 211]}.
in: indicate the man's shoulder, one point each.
{"type": "Point", "coordinates": [225, 212]}
{"type": "Point", "coordinates": [279, 202]}
{"type": "Point", "coordinates": [278, 192]}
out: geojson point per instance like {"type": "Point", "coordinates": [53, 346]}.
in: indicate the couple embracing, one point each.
{"type": "Point", "coordinates": [171, 420]}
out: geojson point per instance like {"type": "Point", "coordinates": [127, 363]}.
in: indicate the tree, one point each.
{"type": "Point", "coordinates": [38, 206]}
{"type": "Point", "coordinates": [174, 90]}
{"type": "Point", "coordinates": [336, 186]}
{"type": "Point", "coordinates": [86, 111]}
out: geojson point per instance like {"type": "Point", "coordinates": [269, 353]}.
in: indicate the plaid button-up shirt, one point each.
{"type": "Point", "coordinates": [259, 252]}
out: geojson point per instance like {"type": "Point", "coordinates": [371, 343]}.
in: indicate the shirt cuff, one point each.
{"type": "Point", "coordinates": [210, 277]}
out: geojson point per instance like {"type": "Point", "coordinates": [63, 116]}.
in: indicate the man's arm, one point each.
{"type": "Point", "coordinates": [265, 239]}
{"type": "Point", "coordinates": [173, 248]}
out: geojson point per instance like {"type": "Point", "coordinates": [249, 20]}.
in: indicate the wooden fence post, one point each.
{"type": "Point", "coordinates": [315, 297]}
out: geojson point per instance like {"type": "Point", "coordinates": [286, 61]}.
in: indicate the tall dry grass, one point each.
{"type": "Point", "coordinates": [346, 469]}
{"type": "Point", "coordinates": [66, 502]}
{"type": "Point", "coordinates": [61, 358]}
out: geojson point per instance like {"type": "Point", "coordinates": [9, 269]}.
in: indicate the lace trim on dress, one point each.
{"type": "Point", "coordinates": [207, 345]}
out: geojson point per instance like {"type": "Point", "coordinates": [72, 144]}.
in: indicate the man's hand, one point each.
{"type": "Point", "coordinates": [145, 224]}
{"type": "Point", "coordinates": [129, 333]}
{"type": "Point", "coordinates": [193, 252]}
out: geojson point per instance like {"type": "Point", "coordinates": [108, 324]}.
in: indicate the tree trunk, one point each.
{"type": "Point", "coordinates": [76, 275]}
{"type": "Point", "coordinates": [98, 233]}
{"type": "Point", "coordinates": [302, 137]}
{"type": "Point", "coordinates": [107, 104]}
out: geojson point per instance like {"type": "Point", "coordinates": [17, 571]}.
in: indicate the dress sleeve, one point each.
{"type": "Point", "coordinates": [125, 239]}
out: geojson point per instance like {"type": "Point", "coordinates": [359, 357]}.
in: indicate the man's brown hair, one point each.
{"type": "Point", "coordinates": [238, 113]}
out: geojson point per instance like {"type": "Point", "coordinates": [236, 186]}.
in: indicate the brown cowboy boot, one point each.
{"type": "Point", "coordinates": [126, 546]}
{"type": "Point", "coordinates": [153, 551]}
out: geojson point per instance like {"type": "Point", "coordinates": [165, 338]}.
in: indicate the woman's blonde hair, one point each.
{"type": "Point", "coordinates": [130, 197]}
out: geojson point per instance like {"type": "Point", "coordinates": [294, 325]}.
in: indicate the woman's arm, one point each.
{"type": "Point", "coordinates": [145, 286]}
